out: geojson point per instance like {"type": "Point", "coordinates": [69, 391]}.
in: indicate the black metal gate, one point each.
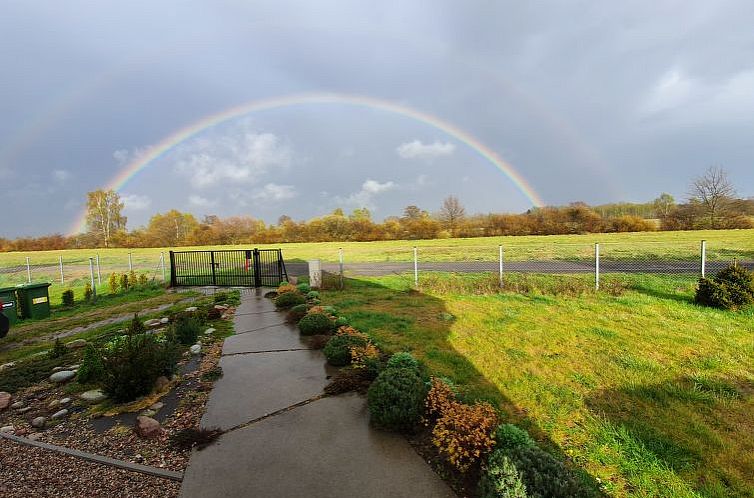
{"type": "Point", "coordinates": [231, 268]}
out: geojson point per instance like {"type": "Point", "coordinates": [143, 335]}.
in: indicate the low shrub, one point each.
{"type": "Point", "coordinates": [185, 330]}
{"type": "Point", "coordinates": [500, 478]}
{"type": "Point", "coordinates": [319, 341]}
{"type": "Point", "coordinates": [88, 292]}
{"type": "Point", "coordinates": [143, 280]}
{"type": "Point", "coordinates": [312, 295]}
{"type": "Point", "coordinates": [362, 356]}
{"type": "Point", "coordinates": [330, 310]}
{"type": "Point", "coordinates": [92, 369]}
{"type": "Point", "coordinates": [132, 363]}
{"type": "Point", "coordinates": [316, 323]}
{"type": "Point", "coordinates": [348, 380]}
{"type": "Point", "coordinates": [135, 326]}
{"type": "Point", "coordinates": [730, 289]}
{"type": "Point", "coordinates": [509, 436]}
{"type": "Point", "coordinates": [124, 284]}
{"type": "Point", "coordinates": [287, 288]}
{"type": "Point", "coordinates": [440, 397]}
{"type": "Point", "coordinates": [396, 398]}
{"type": "Point", "coordinates": [112, 282]}
{"type": "Point", "coordinates": [304, 288]}
{"type": "Point", "coordinates": [338, 348]}
{"type": "Point", "coordinates": [67, 298]}
{"type": "Point", "coordinates": [220, 297]}
{"type": "Point", "coordinates": [543, 475]}
{"type": "Point", "coordinates": [403, 360]}
{"type": "Point", "coordinates": [58, 350]}
{"type": "Point", "coordinates": [186, 439]}
{"type": "Point", "coordinates": [214, 313]}
{"type": "Point", "coordinates": [341, 321]}
{"type": "Point", "coordinates": [297, 312]}
{"type": "Point", "coordinates": [289, 300]}
{"type": "Point", "coordinates": [133, 280]}
{"type": "Point", "coordinates": [463, 434]}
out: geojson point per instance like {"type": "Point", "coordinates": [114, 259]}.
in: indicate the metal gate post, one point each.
{"type": "Point", "coordinates": [173, 279]}
{"type": "Point", "coordinates": [212, 263]}
{"type": "Point", "coordinates": [257, 269]}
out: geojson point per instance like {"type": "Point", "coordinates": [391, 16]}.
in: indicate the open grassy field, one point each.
{"type": "Point", "coordinates": [645, 392]}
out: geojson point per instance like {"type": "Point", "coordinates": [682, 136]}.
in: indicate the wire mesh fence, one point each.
{"type": "Point", "coordinates": [686, 260]}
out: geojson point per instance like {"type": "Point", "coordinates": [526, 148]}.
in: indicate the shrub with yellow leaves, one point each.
{"type": "Point", "coordinates": [439, 398]}
{"type": "Point", "coordinates": [463, 434]}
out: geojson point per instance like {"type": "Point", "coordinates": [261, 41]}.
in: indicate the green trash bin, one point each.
{"type": "Point", "coordinates": [10, 303]}
{"type": "Point", "coordinates": [34, 300]}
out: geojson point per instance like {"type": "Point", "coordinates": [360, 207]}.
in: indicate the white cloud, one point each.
{"type": "Point", "coordinates": [673, 89]}
{"type": "Point", "coordinates": [135, 202]}
{"type": "Point", "coordinates": [365, 197]}
{"type": "Point", "coordinates": [237, 157]}
{"type": "Point", "coordinates": [419, 150]}
{"type": "Point", "coordinates": [125, 156]}
{"type": "Point", "coordinates": [199, 201]}
{"type": "Point", "coordinates": [274, 193]}
{"type": "Point", "coordinates": [61, 175]}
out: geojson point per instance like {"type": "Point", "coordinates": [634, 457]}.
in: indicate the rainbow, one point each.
{"type": "Point", "coordinates": [168, 143]}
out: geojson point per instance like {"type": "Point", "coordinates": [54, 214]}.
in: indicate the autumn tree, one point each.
{"type": "Point", "coordinates": [714, 192]}
{"type": "Point", "coordinates": [170, 229]}
{"type": "Point", "coordinates": [452, 213]}
{"type": "Point", "coordinates": [103, 216]}
{"type": "Point", "coordinates": [663, 205]}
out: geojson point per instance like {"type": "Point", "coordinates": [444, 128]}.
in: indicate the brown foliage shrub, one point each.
{"type": "Point", "coordinates": [287, 288]}
{"type": "Point", "coordinates": [463, 434]}
{"type": "Point", "coordinates": [439, 398]}
{"type": "Point", "coordinates": [319, 341]}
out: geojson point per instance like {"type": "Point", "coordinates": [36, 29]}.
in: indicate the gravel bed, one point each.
{"type": "Point", "coordinates": [27, 471]}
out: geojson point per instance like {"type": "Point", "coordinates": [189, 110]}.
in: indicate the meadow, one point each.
{"type": "Point", "coordinates": [644, 392]}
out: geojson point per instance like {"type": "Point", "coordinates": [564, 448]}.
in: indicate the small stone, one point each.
{"type": "Point", "coordinates": [164, 320]}
{"type": "Point", "coordinates": [38, 422]}
{"type": "Point", "coordinates": [78, 343]}
{"type": "Point", "coordinates": [154, 322]}
{"type": "Point", "coordinates": [62, 376]}
{"type": "Point", "coordinates": [221, 307]}
{"type": "Point", "coordinates": [196, 349]}
{"type": "Point", "coordinates": [161, 383]}
{"type": "Point", "coordinates": [65, 401]}
{"type": "Point", "coordinates": [93, 396]}
{"type": "Point", "coordinates": [4, 400]}
{"type": "Point", "coordinates": [17, 405]}
{"type": "Point", "coordinates": [209, 331]}
{"type": "Point", "coordinates": [53, 404]}
{"type": "Point", "coordinates": [23, 410]}
{"type": "Point", "coordinates": [148, 413]}
{"type": "Point", "coordinates": [58, 369]}
{"type": "Point", "coordinates": [35, 436]}
{"type": "Point", "coordinates": [147, 427]}
{"type": "Point", "coordinates": [191, 309]}
{"type": "Point", "coordinates": [62, 413]}
{"type": "Point", "coordinates": [157, 406]}
{"type": "Point", "coordinates": [7, 365]}
{"type": "Point", "coordinates": [73, 367]}
{"type": "Point", "coordinates": [8, 429]}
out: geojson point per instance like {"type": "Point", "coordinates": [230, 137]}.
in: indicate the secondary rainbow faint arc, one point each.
{"type": "Point", "coordinates": [171, 141]}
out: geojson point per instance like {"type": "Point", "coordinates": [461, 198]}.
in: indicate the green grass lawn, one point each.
{"type": "Point", "coordinates": [643, 391]}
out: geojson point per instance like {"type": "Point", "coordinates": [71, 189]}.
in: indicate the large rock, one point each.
{"type": "Point", "coordinates": [65, 401]}
{"type": "Point", "coordinates": [4, 400]}
{"type": "Point", "coordinates": [221, 307]}
{"type": "Point", "coordinates": [191, 309]}
{"type": "Point", "coordinates": [154, 322]}
{"type": "Point", "coordinates": [147, 427]}
{"type": "Point", "coordinates": [93, 396]}
{"type": "Point", "coordinates": [77, 344]}
{"type": "Point", "coordinates": [8, 429]}
{"type": "Point", "coordinates": [17, 405]}
{"type": "Point", "coordinates": [196, 349]}
{"type": "Point", "coordinates": [39, 422]}
{"type": "Point", "coordinates": [62, 376]}
{"type": "Point", "coordinates": [164, 320]}
{"type": "Point", "coordinates": [62, 413]}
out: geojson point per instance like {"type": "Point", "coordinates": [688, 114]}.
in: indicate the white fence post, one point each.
{"type": "Point", "coordinates": [91, 276]}
{"type": "Point", "coordinates": [162, 263]}
{"type": "Point", "coordinates": [416, 267]}
{"type": "Point", "coordinates": [703, 254]}
{"type": "Point", "coordinates": [597, 266]}
{"type": "Point", "coordinates": [130, 263]}
{"type": "Point", "coordinates": [99, 276]}
{"type": "Point", "coordinates": [28, 270]}
{"type": "Point", "coordinates": [62, 277]}
{"type": "Point", "coordinates": [500, 250]}
{"type": "Point", "coordinates": [340, 255]}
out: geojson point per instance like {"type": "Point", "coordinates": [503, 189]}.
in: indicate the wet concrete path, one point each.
{"type": "Point", "coordinates": [285, 439]}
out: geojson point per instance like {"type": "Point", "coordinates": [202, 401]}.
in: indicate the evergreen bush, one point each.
{"type": "Point", "coordinates": [315, 324]}
{"type": "Point", "coordinates": [289, 300]}
{"type": "Point", "coordinates": [338, 348]}
{"type": "Point", "coordinates": [396, 398]}
{"type": "Point", "coordinates": [68, 299]}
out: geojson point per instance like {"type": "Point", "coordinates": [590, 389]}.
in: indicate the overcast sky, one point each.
{"type": "Point", "coordinates": [588, 100]}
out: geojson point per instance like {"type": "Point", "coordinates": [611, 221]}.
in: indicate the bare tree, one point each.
{"type": "Point", "coordinates": [714, 192]}
{"type": "Point", "coordinates": [452, 213]}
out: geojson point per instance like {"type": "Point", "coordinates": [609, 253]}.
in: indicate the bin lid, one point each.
{"type": "Point", "coordinates": [33, 285]}
{"type": "Point", "coordinates": [4, 290]}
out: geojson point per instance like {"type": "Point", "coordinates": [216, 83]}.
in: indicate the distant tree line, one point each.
{"type": "Point", "coordinates": [711, 204]}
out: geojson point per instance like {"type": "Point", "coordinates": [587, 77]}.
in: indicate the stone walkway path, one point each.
{"type": "Point", "coordinates": [285, 439]}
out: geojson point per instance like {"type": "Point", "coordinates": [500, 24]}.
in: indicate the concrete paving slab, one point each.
{"type": "Point", "coordinates": [322, 449]}
{"type": "Point", "coordinates": [252, 322]}
{"type": "Point", "coordinates": [270, 339]}
{"type": "Point", "coordinates": [255, 385]}
{"type": "Point", "coordinates": [255, 304]}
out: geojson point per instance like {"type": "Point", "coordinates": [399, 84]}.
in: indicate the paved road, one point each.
{"type": "Point", "coordinates": [284, 438]}
{"type": "Point", "coordinates": [552, 267]}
